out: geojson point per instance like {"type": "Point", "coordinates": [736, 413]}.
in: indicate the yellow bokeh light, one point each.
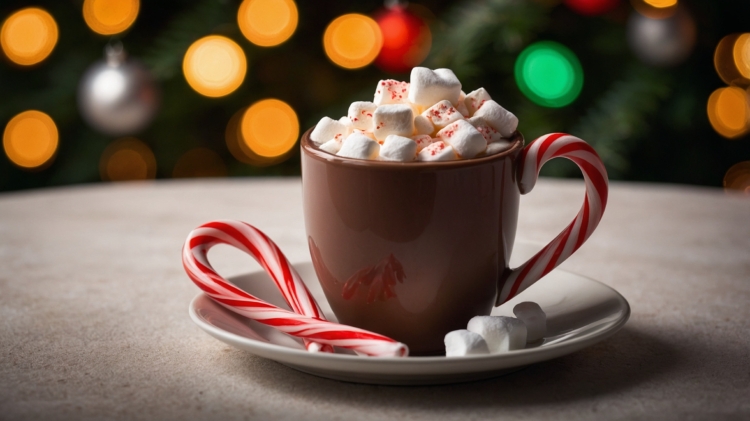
{"type": "Point", "coordinates": [28, 36]}
{"type": "Point", "coordinates": [109, 17]}
{"type": "Point", "coordinates": [214, 66]}
{"type": "Point", "coordinates": [127, 159]}
{"type": "Point", "coordinates": [30, 139]}
{"type": "Point", "coordinates": [737, 178]}
{"type": "Point", "coordinates": [729, 112]}
{"type": "Point", "coordinates": [269, 129]}
{"type": "Point", "coordinates": [661, 4]}
{"type": "Point", "coordinates": [199, 162]}
{"type": "Point", "coordinates": [267, 22]}
{"type": "Point", "coordinates": [352, 41]}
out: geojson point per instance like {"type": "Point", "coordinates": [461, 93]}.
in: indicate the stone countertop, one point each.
{"type": "Point", "coordinates": [94, 324]}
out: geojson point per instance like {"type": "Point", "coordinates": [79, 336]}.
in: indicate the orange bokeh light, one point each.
{"type": "Point", "coordinates": [270, 128]}
{"type": "Point", "coordinates": [737, 178]}
{"type": "Point", "coordinates": [661, 4]}
{"type": "Point", "coordinates": [127, 159]}
{"type": "Point", "coordinates": [214, 66]}
{"type": "Point", "coordinates": [30, 139]}
{"type": "Point", "coordinates": [28, 36]}
{"type": "Point", "coordinates": [729, 112]}
{"type": "Point", "coordinates": [352, 41]}
{"type": "Point", "coordinates": [267, 22]}
{"type": "Point", "coordinates": [109, 17]}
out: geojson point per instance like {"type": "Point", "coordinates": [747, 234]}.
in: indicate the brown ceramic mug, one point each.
{"type": "Point", "coordinates": [414, 250]}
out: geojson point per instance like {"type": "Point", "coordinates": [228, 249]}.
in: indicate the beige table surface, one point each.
{"type": "Point", "coordinates": [94, 323]}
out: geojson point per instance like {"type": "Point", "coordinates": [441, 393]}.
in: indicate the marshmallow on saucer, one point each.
{"type": "Point", "coordinates": [463, 342]}
{"type": "Point", "coordinates": [437, 151]}
{"type": "Point", "coordinates": [532, 315]}
{"type": "Point", "coordinates": [422, 125]}
{"type": "Point", "coordinates": [360, 114]}
{"type": "Point", "coordinates": [391, 92]}
{"type": "Point", "coordinates": [475, 99]}
{"type": "Point", "coordinates": [359, 146]}
{"type": "Point", "coordinates": [393, 119]}
{"type": "Point", "coordinates": [501, 333]}
{"type": "Point", "coordinates": [442, 114]}
{"type": "Point", "coordinates": [398, 148]}
{"type": "Point", "coordinates": [428, 87]}
{"type": "Point", "coordinates": [422, 141]}
{"type": "Point", "coordinates": [497, 117]}
{"type": "Point", "coordinates": [327, 129]}
{"type": "Point", "coordinates": [464, 138]}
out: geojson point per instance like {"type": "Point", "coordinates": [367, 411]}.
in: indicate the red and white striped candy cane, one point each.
{"type": "Point", "coordinates": [533, 156]}
{"type": "Point", "coordinates": [305, 321]}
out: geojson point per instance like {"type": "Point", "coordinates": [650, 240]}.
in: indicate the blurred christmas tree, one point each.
{"type": "Point", "coordinates": [633, 84]}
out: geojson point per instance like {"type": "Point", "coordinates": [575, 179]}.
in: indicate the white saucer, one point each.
{"type": "Point", "coordinates": [580, 312]}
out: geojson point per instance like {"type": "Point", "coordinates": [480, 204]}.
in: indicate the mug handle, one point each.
{"type": "Point", "coordinates": [530, 161]}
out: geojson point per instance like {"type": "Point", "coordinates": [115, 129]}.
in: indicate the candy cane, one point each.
{"type": "Point", "coordinates": [306, 320]}
{"type": "Point", "coordinates": [595, 175]}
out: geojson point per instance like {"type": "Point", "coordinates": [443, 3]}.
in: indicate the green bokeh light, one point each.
{"type": "Point", "coordinates": [549, 74]}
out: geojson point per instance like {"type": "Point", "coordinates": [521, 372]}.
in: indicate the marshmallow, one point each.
{"type": "Point", "coordinates": [422, 140]}
{"type": "Point", "coordinates": [398, 148]}
{"type": "Point", "coordinates": [391, 92]}
{"type": "Point", "coordinates": [423, 125]}
{"type": "Point", "coordinates": [497, 117]}
{"type": "Point", "coordinates": [437, 151]}
{"type": "Point", "coordinates": [501, 333]}
{"type": "Point", "coordinates": [489, 133]}
{"type": "Point", "coordinates": [462, 342]}
{"type": "Point", "coordinates": [442, 114]}
{"type": "Point", "coordinates": [360, 114]}
{"type": "Point", "coordinates": [332, 146]}
{"type": "Point", "coordinates": [359, 146]}
{"type": "Point", "coordinates": [464, 138]}
{"type": "Point", "coordinates": [534, 318]}
{"type": "Point", "coordinates": [475, 99]}
{"type": "Point", "coordinates": [428, 87]}
{"type": "Point", "coordinates": [327, 129]}
{"type": "Point", "coordinates": [393, 119]}
{"type": "Point", "coordinates": [461, 107]}
{"type": "Point", "coordinates": [497, 147]}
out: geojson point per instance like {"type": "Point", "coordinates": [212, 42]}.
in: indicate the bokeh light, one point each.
{"type": "Point", "coordinates": [732, 59]}
{"type": "Point", "coordinates": [352, 41]}
{"type": "Point", "coordinates": [591, 7]}
{"type": "Point", "coordinates": [406, 40]}
{"type": "Point", "coordinates": [549, 74]}
{"type": "Point", "coordinates": [737, 178]}
{"type": "Point", "coordinates": [109, 17]}
{"type": "Point", "coordinates": [28, 36]}
{"type": "Point", "coordinates": [199, 162]}
{"type": "Point", "coordinates": [214, 66]}
{"type": "Point", "coordinates": [267, 22]}
{"type": "Point", "coordinates": [30, 139]}
{"type": "Point", "coordinates": [127, 159]}
{"type": "Point", "coordinates": [270, 129]}
{"type": "Point", "coordinates": [729, 112]}
{"type": "Point", "coordinates": [661, 4]}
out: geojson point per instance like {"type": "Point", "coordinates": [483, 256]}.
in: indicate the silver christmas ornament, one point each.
{"type": "Point", "coordinates": [662, 42]}
{"type": "Point", "coordinates": [118, 96]}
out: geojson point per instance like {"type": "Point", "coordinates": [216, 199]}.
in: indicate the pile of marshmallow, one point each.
{"type": "Point", "coordinates": [496, 334]}
{"type": "Point", "coordinates": [427, 119]}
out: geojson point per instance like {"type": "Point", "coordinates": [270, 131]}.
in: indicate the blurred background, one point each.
{"type": "Point", "coordinates": [113, 90]}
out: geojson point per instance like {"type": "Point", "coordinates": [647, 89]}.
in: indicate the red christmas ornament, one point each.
{"type": "Point", "coordinates": [591, 7]}
{"type": "Point", "coordinates": [406, 40]}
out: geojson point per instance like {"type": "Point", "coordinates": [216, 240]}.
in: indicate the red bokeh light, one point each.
{"type": "Point", "coordinates": [406, 40]}
{"type": "Point", "coordinates": [592, 7]}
